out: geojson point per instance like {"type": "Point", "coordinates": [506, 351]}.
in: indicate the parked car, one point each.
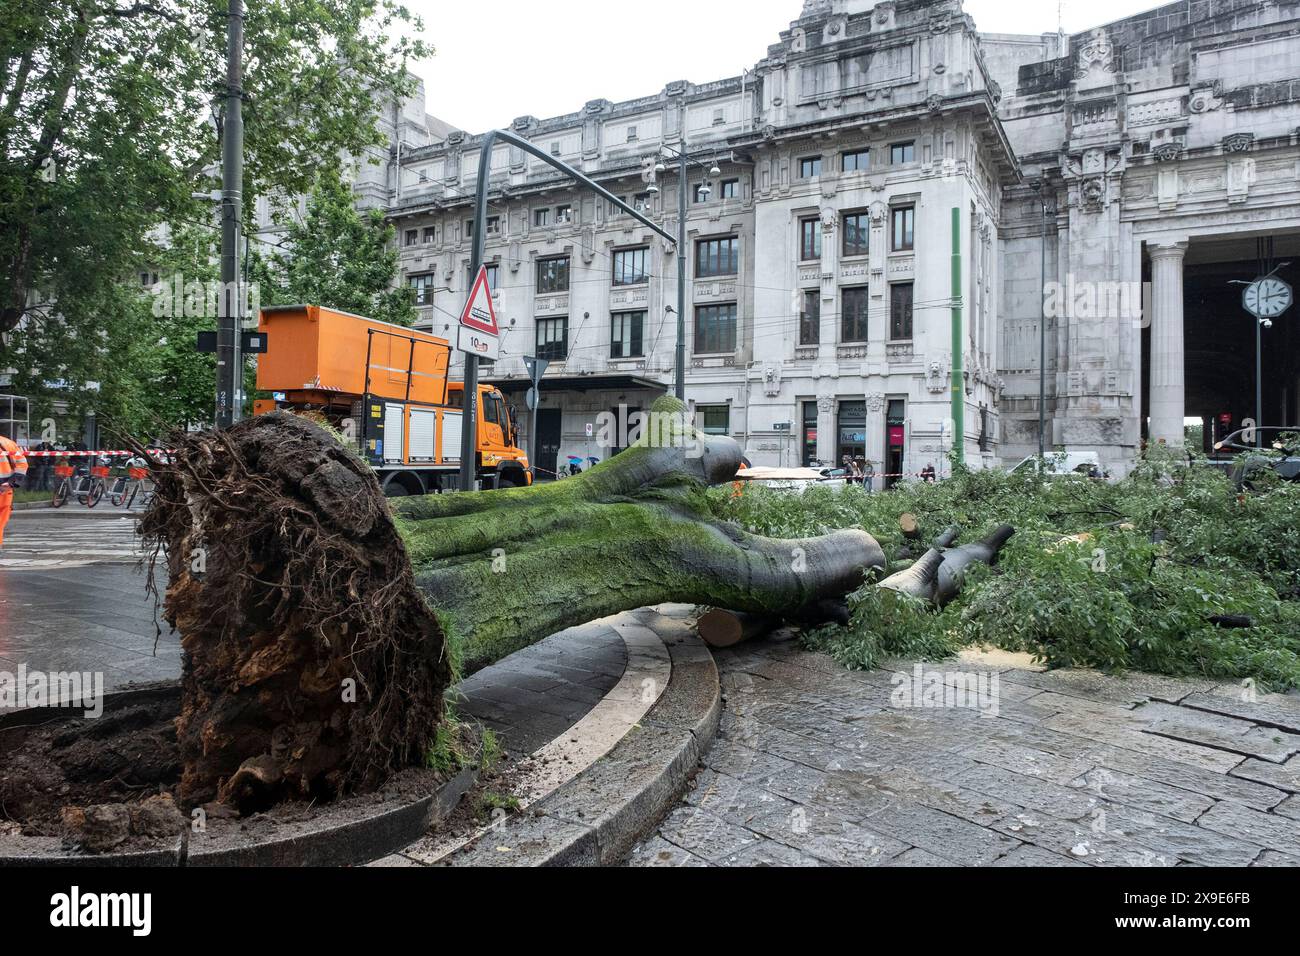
{"type": "Point", "coordinates": [1063, 463]}
{"type": "Point", "coordinates": [791, 479]}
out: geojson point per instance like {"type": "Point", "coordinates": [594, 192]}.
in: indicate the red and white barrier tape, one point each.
{"type": "Point", "coordinates": [153, 453]}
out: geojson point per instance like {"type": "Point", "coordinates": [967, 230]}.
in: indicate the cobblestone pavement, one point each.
{"type": "Point", "coordinates": [815, 765]}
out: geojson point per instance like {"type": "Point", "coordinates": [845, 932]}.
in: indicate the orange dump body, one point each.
{"type": "Point", "coordinates": [323, 351]}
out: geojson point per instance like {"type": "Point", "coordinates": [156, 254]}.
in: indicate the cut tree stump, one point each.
{"type": "Point", "coordinates": [718, 627]}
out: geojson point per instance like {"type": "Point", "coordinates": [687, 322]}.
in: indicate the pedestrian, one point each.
{"type": "Point", "coordinates": [13, 472]}
{"type": "Point", "coordinates": [927, 473]}
{"type": "Point", "coordinates": [39, 473]}
{"type": "Point", "coordinates": [854, 469]}
{"type": "Point", "coordinates": [868, 471]}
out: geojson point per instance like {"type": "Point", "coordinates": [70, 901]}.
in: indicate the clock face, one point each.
{"type": "Point", "coordinates": [1267, 298]}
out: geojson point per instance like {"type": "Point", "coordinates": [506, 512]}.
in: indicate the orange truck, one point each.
{"type": "Point", "coordinates": [386, 388]}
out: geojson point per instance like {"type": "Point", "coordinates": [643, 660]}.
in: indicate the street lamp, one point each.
{"type": "Point", "coordinates": [679, 374]}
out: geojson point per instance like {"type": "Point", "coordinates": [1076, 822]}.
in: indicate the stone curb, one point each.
{"type": "Point", "coordinates": [596, 818]}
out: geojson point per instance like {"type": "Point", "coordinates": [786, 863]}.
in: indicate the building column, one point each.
{"type": "Point", "coordinates": [828, 434]}
{"type": "Point", "coordinates": [1166, 401]}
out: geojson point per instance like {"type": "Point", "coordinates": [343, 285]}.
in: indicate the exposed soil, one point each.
{"type": "Point", "coordinates": [112, 784]}
{"type": "Point", "coordinates": [52, 770]}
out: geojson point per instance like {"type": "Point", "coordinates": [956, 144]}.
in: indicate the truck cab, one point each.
{"type": "Point", "coordinates": [501, 463]}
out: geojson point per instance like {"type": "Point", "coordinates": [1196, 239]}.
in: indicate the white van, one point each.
{"type": "Point", "coordinates": [1060, 463]}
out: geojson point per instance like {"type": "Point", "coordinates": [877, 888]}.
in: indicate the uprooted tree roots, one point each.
{"type": "Point", "coordinates": [290, 584]}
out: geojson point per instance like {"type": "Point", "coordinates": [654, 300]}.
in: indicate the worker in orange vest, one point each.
{"type": "Point", "coordinates": [13, 472]}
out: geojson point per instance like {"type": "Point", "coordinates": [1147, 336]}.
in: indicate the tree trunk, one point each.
{"type": "Point", "coordinates": [288, 579]}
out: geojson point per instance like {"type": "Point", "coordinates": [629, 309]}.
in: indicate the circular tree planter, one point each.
{"type": "Point", "coordinates": [352, 830]}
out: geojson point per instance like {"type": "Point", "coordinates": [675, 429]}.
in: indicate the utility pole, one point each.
{"type": "Point", "coordinates": [679, 377]}
{"type": "Point", "coordinates": [1042, 330]}
{"type": "Point", "coordinates": [229, 305]}
{"type": "Point", "coordinates": [958, 380]}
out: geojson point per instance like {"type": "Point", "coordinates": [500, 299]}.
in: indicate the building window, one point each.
{"type": "Point", "coordinates": [900, 310]}
{"type": "Point", "coordinates": [902, 224]}
{"type": "Point", "coordinates": [731, 189]}
{"type": "Point", "coordinates": [625, 334]}
{"type": "Point", "coordinates": [717, 257]}
{"type": "Point", "coordinates": [810, 318]}
{"type": "Point", "coordinates": [615, 211]}
{"type": "Point", "coordinates": [900, 153]}
{"type": "Point", "coordinates": [852, 426]}
{"type": "Point", "coordinates": [810, 239]}
{"type": "Point", "coordinates": [857, 230]}
{"type": "Point", "coordinates": [553, 338]}
{"type": "Point", "coordinates": [810, 166]}
{"type": "Point", "coordinates": [713, 419]}
{"type": "Point", "coordinates": [855, 161]}
{"type": "Point", "coordinates": [809, 433]}
{"type": "Point", "coordinates": [491, 269]}
{"type": "Point", "coordinates": [553, 275]}
{"type": "Point", "coordinates": [719, 117]}
{"type": "Point", "coordinates": [563, 214]}
{"type": "Point", "coordinates": [423, 286]}
{"type": "Point", "coordinates": [702, 192]}
{"type": "Point", "coordinates": [469, 229]}
{"type": "Point", "coordinates": [631, 134]}
{"type": "Point", "coordinates": [412, 236]}
{"type": "Point", "coordinates": [715, 328]}
{"type": "Point", "coordinates": [429, 233]}
{"type": "Point", "coordinates": [630, 266]}
{"type": "Point", "coordinates": [493, 227]}
{"type": "Point", "coordinates": [555, 148]}
{"type": "Point", "coordinates": [853, 314]}
{"type": "Point", "coordinates": [541, 217]}
{"type": "Point", "coordinates": [641, 202]}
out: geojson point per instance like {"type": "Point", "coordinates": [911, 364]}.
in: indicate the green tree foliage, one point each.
{"type": "Point", "coordinates": [1125, 575]}
{"type": "Point", "coordinates": [337, 257]}
{"type": "Point", "coordinates": [104, 135]}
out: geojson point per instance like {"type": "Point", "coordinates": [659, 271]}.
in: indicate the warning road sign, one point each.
{"type": "Point", "coordinates": [479, 314]}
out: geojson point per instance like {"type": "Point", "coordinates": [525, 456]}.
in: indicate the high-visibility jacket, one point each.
{"type": "Point", "coordinates": [12, 459]}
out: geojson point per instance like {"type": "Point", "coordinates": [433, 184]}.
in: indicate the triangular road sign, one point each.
{"type": "Point", "coordinates": [479, 314]}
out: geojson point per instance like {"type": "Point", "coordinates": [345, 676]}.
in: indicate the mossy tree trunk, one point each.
{"type": "Point", "coordinates": [307, 583]}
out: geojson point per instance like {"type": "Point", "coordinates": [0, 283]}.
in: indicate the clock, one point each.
{"type": "Point", "coordinates": [1267, 298]}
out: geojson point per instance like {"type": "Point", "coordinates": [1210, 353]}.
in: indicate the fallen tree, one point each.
{"type": "Point", "coordinates": [319, 640]}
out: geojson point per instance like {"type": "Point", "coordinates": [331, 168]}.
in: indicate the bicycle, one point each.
{"type": "Point", "coordinates": [139, 484]}
{"type": "Point", "coordinates": [126, 482]}
{"type": "Point", "coordinates": [86, 485]}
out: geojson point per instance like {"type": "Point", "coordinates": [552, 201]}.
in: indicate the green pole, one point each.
{"type": "Point", "coordinates": [958, 380]}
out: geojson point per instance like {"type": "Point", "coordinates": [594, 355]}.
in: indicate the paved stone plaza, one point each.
{"type": "Point", "coordinates": [814, 766]}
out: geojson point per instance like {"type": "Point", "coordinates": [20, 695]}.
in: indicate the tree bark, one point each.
{"type": "Point", "coordinates": [306, 583]}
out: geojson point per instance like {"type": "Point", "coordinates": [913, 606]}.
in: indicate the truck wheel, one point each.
{"type": "Point", "coordinates": [401, 484]}
{"type": "Point", "coordinates": [511, 479]}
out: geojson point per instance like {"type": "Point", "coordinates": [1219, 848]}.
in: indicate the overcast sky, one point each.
{"type": "Point", "coordinates": [498, 59]}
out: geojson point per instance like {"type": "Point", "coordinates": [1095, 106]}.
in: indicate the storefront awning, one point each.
{"type": "Point", "coordinates": [577, 383]}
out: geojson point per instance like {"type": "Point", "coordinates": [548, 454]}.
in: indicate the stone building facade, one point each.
{"type": "Point", "coordinates": [820, 235]}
